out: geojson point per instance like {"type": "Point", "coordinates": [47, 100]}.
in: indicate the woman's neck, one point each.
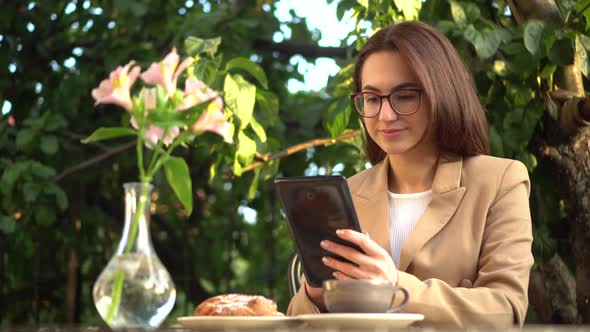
{"type": "Point", "coordinates": [412, 172]}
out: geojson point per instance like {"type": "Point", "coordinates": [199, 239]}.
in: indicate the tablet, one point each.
{"type": "Point", "coordinates": [315, 207]}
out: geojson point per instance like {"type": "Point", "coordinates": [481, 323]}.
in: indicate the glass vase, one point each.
{"type": "Point", "coordinates": [135, 290]}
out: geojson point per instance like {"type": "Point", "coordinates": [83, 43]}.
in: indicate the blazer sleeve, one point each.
{"type": "Point", "coordinates": [499, 294]}
{"type": "Point", "coordinates": [300, 303]}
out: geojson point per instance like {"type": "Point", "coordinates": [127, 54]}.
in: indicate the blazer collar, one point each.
{"type": "Point", "coordinates": [447, 194]}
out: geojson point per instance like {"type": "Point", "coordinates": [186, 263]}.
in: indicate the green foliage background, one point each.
{"type": "Point", "coordinates": [61, 208]}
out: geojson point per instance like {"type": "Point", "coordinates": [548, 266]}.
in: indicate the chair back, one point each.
{"type": "Point", "coordinates": [295, 272]}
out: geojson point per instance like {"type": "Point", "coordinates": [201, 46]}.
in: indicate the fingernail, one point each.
{"type": "Point", "coordinates": [326, 260]}
{"type": "Point", "coordinates": [325, 244]}
{"type": "Point", "coordinates": [335, 274]}
{"type": "Point", "coordinates": [339, 232]}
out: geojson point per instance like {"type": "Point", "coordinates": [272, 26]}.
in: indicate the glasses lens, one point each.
{"type": "Point", "coordinates": [367, 104]}
{"type": "Point", "coordinates": [405, 101]}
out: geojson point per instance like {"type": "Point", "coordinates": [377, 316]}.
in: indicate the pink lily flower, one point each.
{"type": "Point", "coordinates": [213, 120]}
{"type": "Point", "coordinates": [153, 133]}
{"type": "Point", "coordinates": [166, 72]}
{"type": "Point", "coordinates": [115, 89]}
{"type": "Point", "coordinates": [195, 93]}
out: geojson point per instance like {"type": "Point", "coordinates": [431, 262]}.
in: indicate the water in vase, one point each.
{"type": "Point", "coordinates": [147, 293]}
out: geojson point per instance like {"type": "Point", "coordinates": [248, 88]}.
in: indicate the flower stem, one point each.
{"type": "Point", "coordinates": [157, 152]}
{"type": "Point", "coordinates": [120, 277]}
{"type": "Point", "coordinates": [117, 289]}
{"type": "Point", "coordinates": [138, 212]}
{"type": "Point", "coordinates": [139, 149]}
{"type": "Point", "coordinates": [162, 158]}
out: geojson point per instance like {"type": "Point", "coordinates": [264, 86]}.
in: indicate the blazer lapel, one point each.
{"type": "Point", "coordinates": [446, 197]}
{"type": "Point", "coordinates": [372, 206]}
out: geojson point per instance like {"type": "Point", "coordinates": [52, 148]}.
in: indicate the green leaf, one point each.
{"type": "Point", "coordinates": [136, 7]}
{"type": "Point", "coordinates": [445, 26]}
{"type": "Point", "coordinates": [250, 67]}
{"type": "Point", "coordinates": [254, 185]}
{"type": "Point", "coordinates": [237, 168]}
{"type": "Point", "coordinates": [364, 3]}
{"type": "Point", "coordinates": [195, 46]}
{"type": "Point", "coordinates": [471, 10]}
{"type": "Point", "coordinates": [339, 116]}
{"type": "Point", "coordinates": [41, 171]}
{"type": "Point", "coordinates": [270, 169]}
{"type": "Point", "coordinates": [584, 5]}
{"type": "Point", "coordinates": [258, 129]}
{"type": "Point", "coordinates": [179, 178]}
{"type": "Point", "coordinates": [246, 149]}
{"type": "Point", "coordinates": [410, 8]}
{"type": "Point", "coordinates": [549, 37]}
{"type": "Point", "coordinates": [344, 6]}
{"type": "Point", "coordinates": [547, 73]}
{"type": "Point", "coordinates": [458, 13]}
{"type": "Point", "coordinates": [240, 96]}
{"type": "Point", "coordinates": [190, 116]}
{"type": "Point", "coordinates": [486, 43]}
{"type": "Point", "coordinates": [55, 122]}
{"type": "Point", "coordinates": [60, 196]}
{"type": "Point", "coordinates": [585, 40]}
{"type": "Point", "coordinates": [108, 133]}
{"type": "Point", "coordinates": [268, 104]}
{"type": "Point", "coordinates": [10, 175]}
{"type": "Point", "coordinates": [533, 32]}
{"type": "Point", "coordinates": [581, 59]}
{"type": "Point", "coordinates": [464, 12]}
{"type": "Point", "coordinates": [562, 52]}
{"type": "Point", "coordinates": [496, 144]}
{"type": "Point", "coordinates": [24, 138]}
{"type": "Point", "coordinates": [548, 70]}
{"type": "Point", "coordinates": [43, 215]}
{"type": "Point", "coordinates": [31, 191]}
{"type": "Point", "coordinates": [7, 224]}
{"type": "Point", "coordinates": [529, 160]}
{"type": "Point", "coordinates": [49, 144]}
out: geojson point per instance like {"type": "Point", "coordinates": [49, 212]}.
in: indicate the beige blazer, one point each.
{"type": "Point", "coordinates": [467, 261]}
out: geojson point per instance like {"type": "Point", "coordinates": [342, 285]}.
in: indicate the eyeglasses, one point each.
{"type": "Point", "coordinates": [403, 102]}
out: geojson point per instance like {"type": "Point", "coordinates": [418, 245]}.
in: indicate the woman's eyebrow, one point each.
{"type": "Point", "coordinates": [401, 86]}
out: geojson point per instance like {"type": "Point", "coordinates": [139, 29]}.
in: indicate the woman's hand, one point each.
{"type": "Point", "coordinates": [316, 295]}
{"type": "Point", "coordinates": [374, 263]}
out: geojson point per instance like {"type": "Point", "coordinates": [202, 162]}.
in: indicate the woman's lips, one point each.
{"type": "Point", "coordinates": [390, 132]}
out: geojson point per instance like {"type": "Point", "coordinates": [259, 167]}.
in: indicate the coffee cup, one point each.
{"type": "Point", "coordinates": [362, 296]}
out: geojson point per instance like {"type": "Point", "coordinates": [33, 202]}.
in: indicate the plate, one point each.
{"type": "Point", "coordinates": [238, 322]}
{"type": "Point", "coordinates": [360, 321]}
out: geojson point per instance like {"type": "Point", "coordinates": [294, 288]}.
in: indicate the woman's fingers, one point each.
{"type": "Point", "coordinates": [369, 246]}
{"type": "Point", "coordinates": [341, 276]}
{"type": "Point", "coordinates": [348, 269]}
{"type": "Point", "coordinates": [347, 252]}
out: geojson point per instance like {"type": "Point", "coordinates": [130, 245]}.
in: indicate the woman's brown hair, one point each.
{"type": "Point", "coordinates": [458, 119]}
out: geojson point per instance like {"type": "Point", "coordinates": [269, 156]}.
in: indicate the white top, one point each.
{"type": "Point", "coordinates": [404, 212]}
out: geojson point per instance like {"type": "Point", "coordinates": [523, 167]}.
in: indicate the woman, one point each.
{"type": "Point", "coordinates": [440, 217]}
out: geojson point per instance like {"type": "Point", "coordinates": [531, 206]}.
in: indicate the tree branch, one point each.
{"type": "Point", "coordinates": [585, 109]}
{"type": "Point", "coordinates": [289, 48]}
{"type": "Point", "coordinates": [295, 148]}
{"type": "Point", "coordinates": [515, 12]}
{"type": "Point", "coordinates": [553, 154]}
{"type": "Point", "coordinates": [552, 292]}
{"type": "Point", "coordinates": [94, 160]}
{"type": "Point", "coordinates": [569, 19]}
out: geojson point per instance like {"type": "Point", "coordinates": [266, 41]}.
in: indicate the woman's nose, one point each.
{"type": "Point", "coordinates": [387, 113]}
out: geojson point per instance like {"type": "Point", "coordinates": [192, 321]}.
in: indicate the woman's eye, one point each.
{"type": "Point", "coordinates": [371, 99]}
{"type": "Point", "coordinates": [405, 97]}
